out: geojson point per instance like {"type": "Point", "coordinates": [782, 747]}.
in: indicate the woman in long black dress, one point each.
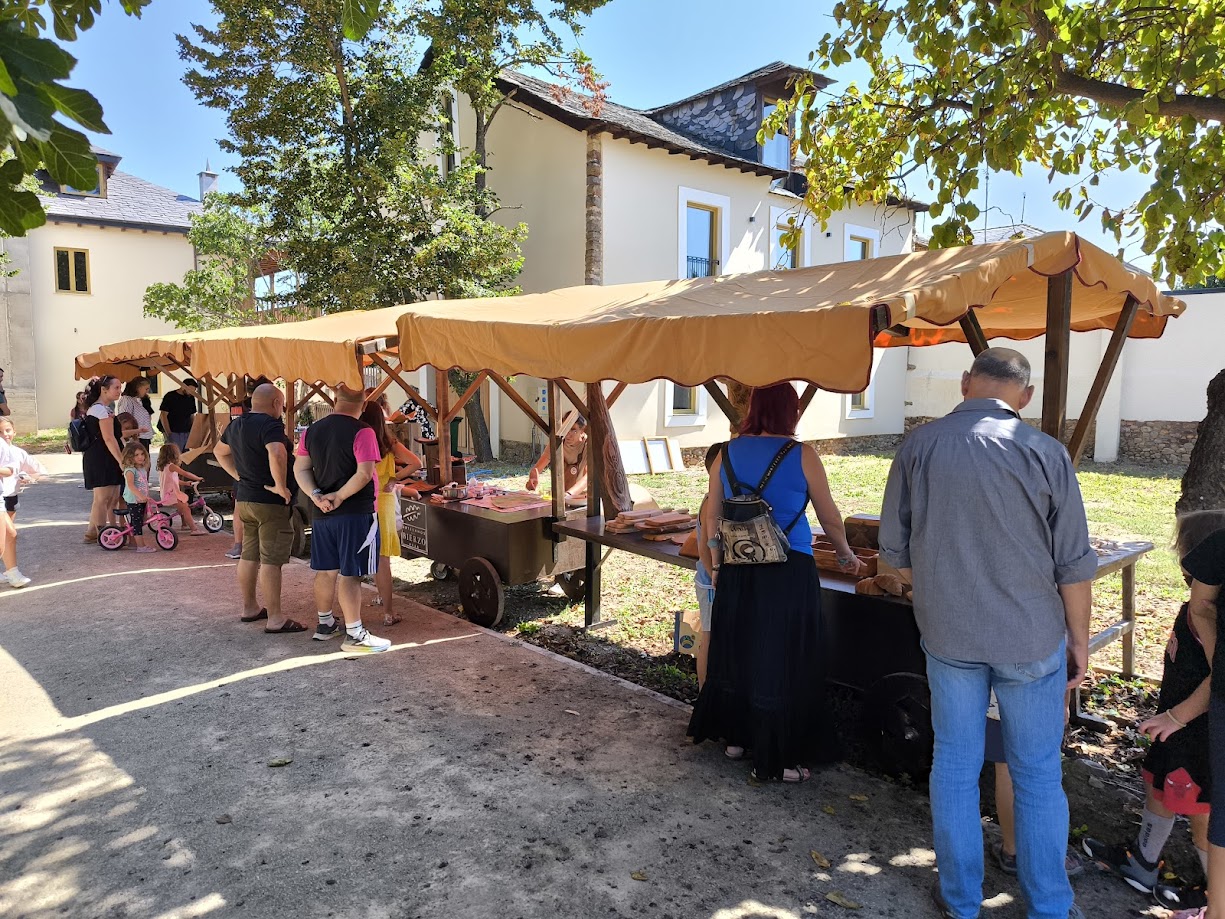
{"type": "Point", "coordinates": [765, 678]}
{"type": "Point", "coordinates": [101, 461]}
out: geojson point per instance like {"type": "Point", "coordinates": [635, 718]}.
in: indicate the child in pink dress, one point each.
{"type": "Point", "coordinates": [172, 476]}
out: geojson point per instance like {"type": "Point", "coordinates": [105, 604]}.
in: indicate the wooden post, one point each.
{"type": "Point", "coordinates": [975, 336]}
{"type": "Point", "coordinates": [445, 473]}
{"type": "Point", "coordinates": [724, 403]}
{"type": "Point", "coordinates": [1110, 360]}
{"type": "Point", "coordinates": [291, 413]}
{"type": "Point", "coordinates": [557, 459]}
{"type": "Point", "coordinates": [595, 486]}
{"type": "Point", "coordinates": [1058, 343]}
{"type": "Point", "coordinates": [1129, 616]}
{"type": "Point", "coordinates": [810, 392]}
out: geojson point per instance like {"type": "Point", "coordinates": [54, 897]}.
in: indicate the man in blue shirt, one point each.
{"type": "Point", "coordinates": [983, 515]}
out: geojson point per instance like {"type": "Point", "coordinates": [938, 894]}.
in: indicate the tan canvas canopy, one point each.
{"type": "Point", "coordinates": [817, 324]}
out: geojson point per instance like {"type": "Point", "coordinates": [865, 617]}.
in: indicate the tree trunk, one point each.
{"type": "Point", "coordinates": [739, 395]}
{"type": "Point", "coordinates": [460, 382]}
{"type": "Point", "coordinates": [479, 148]}
{"type": "Point", "coordinates": [1203, 484]}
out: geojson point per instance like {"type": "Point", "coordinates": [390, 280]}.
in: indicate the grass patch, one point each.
{"type": "Point", "coordinates": [50, 440]}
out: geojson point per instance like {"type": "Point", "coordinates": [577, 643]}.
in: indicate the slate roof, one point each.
{"type": "Point", "coordinates": [777, 72]}
{"type": "Point", "coordinates": [130, 202]}
{"type": "Point", "coordinates": [621, 121]}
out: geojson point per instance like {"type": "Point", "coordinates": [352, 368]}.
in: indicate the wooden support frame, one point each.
{"type": "Point", "coordinates": [1097, 393]}
{"type": "Point", "coordinates": [463, 400]}
{"type": "Point", "coordinates": [810, 392]}
{"type": "Point", "coordinates": [724, 403]}
{"type": "Point", "coordinates": [515, 397]}
{"type": "Point", "coordinates": [570, 394]}
{"type": "Point", "coordinates": [446, 472]}
{"type": "Point", "coordinates": [973, 330]}
{"type": "Point", "coordinates": [395, 374]}
{"type": "Point", "coordinates": [557, 469]}
{"type": "Point", "coordinates": [592, 605]}
{"type": "Point", "coordinates": [1058, 345]}
{"type": "Point", "coordinates": [613, 396]}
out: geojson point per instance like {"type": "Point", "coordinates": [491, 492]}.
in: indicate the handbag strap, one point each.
{"type": "Point", "coordinates": [735, 482]}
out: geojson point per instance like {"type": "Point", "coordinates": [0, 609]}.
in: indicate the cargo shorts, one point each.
{"type": "Point", "coordinates": [267, 532]}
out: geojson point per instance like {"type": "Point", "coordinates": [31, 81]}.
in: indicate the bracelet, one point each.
{"type": "Point", "coordinates": [1170, 713]}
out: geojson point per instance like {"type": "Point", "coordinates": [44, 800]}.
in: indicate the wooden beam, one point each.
{"type": "Point", "coordinates": [573, 397]}
{"type": "Point", "coordinates": [1058, 344]}
{"type": "Point", "coordinates": [443, 387]}
{"type": "Point", "coordinates": [975, 336]}
{"type": "Point", "coordinates": [1097, 393]}
{"type": "Point", "coordinates": [724, 403]}
{"type": "Point", "coordinates": [379, 362]}
{"type": "Point", "coordinates": [810, 392]}
{"type": "Point", "coordinates": [515, 397]}
{"type": "Point", "coordinates": [613, 396]}
{"type": "Point", "coordinates": [463, 400]}
{"type": "Point", "coordinates": [557, 457]}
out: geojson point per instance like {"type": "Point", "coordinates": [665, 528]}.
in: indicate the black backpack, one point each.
{"type": "Point", "coordinates": [80, 437]}
{"type": "Point", "coordinates": [747, 528]}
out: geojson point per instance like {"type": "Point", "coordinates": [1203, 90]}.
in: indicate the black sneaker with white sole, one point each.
{"type": "Point", "coordinates": [1126, 864]}
{"type": "Point", "coordinates": [1176, 898]}
{"type": "Point", "coordinates": [324, 632]}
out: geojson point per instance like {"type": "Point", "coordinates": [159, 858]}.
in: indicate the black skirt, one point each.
{"type": "Point", "coordinates": [97, 463]}
{"type": "Point", "coordinates": [765, 676]}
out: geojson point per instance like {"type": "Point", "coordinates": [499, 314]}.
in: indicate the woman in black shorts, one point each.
{"type": "Point", "coordinates": [101, 460]}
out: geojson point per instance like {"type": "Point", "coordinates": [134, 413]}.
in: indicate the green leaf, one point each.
{"type": "Point", "coordinates": [29, 114]}
{"type": "Point", "coordinates": [20, 212]}
{"type": "Point", "coordinates": [68, 160]}
{"type": "Point", "coordinates": [78, 105]}
{"type": "Point", "coordinates": [358, 16]}
{"type": "Point", "coordinates": [7, 86]}
{"type": "Point", "coordinates": [38, 59]}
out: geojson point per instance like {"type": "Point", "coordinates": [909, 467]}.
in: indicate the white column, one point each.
{"type": "Point", "coordinates": [1110, 415]}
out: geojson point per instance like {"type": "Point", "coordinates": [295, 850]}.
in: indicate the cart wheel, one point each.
{"type": "Point", "coordinates": [166, 538]}
{"type": "Point", "coordinates": [212, 520]}
{"type": "Point", "coordinates": [110, 538]}
{"type": "Point", "coordinates": [898, 723]}
{"type": "Point", "coordinates": [480, 591]}
{"type": "Point", "coordinates": [573, 584]}
{"type": "Point", "coordinates": [441, 572]}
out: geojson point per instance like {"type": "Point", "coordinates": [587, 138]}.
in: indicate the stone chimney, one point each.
{"type": "Point", "coordinates": [208, 180]}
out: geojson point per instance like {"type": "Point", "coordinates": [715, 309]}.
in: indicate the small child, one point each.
{"type": "Point", "coordinates": [1178, 777]}
{"type": "Point", "coordinates": [128, 427]}
{"type": "Point", "coordinates": [171, 491]}
{"type": "Point", "coordinates": [16, 467]}
{"type": "Point", "coordinates": [136, 490]}
{"type": "Point", "coordinates": [702, 582]}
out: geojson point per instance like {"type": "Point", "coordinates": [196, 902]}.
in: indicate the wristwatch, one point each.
{"type": "Point", "coordinates": [316, 492]}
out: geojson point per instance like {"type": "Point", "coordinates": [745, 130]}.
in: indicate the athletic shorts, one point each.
{"type": "Point", "coordinates": [348, 543]}
{"type": "Point", "coordinates": [267, 534]}
{"type": "Point", "coordinates": [10, 503]}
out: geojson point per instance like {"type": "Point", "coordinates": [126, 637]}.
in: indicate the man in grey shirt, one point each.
{"type": "Point", "coordinates": [983, 515]}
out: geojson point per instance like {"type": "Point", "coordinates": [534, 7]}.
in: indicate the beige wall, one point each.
{"type": "Point", "coordinates": [122, 263]}
{"type": "Point", "coordinates": [1166, 379]}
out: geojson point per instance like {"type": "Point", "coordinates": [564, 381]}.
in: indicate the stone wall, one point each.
{"type": "Point", "coordinates": [830, 446]}
{"type": "Point", "coordinates": [17, 337]}
{"type": "Point", "coordinates": [728, 120]}
{"type": "Point", "coordinates": [1157, 443]}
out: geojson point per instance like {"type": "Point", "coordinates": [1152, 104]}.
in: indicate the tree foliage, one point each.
{"type": "Point", "coordinates": [229, 242]}
{"type": "Point", "coordinates": [334, 143]}
{"type": "Point", "coordinates": [37, 109]}
{"type": "Point", "coordinates": [1081, 88]}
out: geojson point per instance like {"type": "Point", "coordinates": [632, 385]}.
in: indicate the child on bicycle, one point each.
{"type": "Point", "coordinates": [136, 490]}
{"type": "Point", "coordinates": [1178, 777]}
{"type": "Point", "coordinates": [172, 492]}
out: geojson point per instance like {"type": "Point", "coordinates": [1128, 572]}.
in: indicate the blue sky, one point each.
{"type": "Point", "coordinates": [650, 51]}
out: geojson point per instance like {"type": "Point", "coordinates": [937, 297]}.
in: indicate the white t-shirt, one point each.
{"type": "Point", "coordinates": [99, 411]}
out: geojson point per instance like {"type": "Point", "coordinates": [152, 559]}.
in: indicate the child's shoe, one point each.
{"type": "Point", "coordinates": [16, 578]}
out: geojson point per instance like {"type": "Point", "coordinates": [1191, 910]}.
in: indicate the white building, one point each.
{"type": "Point", "coordinates": [614, 195]}
{"type": "Point", "coordinates": [81, 281]}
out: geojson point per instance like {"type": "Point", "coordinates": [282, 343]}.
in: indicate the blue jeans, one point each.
{"type": "Point", "coordinates": [1031, 698]}
{"type": "Point", "coordinates": [179, 440]}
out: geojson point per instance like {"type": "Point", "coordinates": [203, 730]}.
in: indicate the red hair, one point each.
{"type": "Point", "coordinates": [772, 410]}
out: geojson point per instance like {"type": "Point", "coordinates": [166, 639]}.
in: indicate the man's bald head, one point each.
{"type": "Point", "coordinates": [349, 401]}
{"type": "Point", "coordinates": [267, 399]}
{"type": "Point", "coordinates": [999, 373]}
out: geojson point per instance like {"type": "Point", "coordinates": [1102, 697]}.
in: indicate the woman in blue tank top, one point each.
{"type": "Point", "coordinates": [765, 678]}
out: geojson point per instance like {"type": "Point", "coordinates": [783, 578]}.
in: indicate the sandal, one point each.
{"type": "Point", "coordinates": [391, 618]}
{"type": "Point", "coordinates": [91, 538]}
{"type": "Point", "coordinates": [377, 601]}
{"type": "Point", "coordinates": [262, 614]}
{"type": "Point", "coordinates": [734, 752]}
{"type": "Point", "coordinates": [801, 775]}
{"type": "Point", "coordinates": [289, 627]}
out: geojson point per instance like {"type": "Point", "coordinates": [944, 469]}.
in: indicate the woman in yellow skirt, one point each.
{"type": "Point", "coordinates": [386, 477]}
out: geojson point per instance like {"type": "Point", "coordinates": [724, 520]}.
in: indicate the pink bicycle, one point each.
{"type": "Point", "coordinates": [113, 538]}
{"type": "Point", "coordinates": [212, 520]}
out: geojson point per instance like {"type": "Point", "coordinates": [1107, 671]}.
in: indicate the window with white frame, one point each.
{"type": "Point", "coordinates": [684, 406]}
{"type": "Point", "coordinates": [781, 255]}
{"type": "Point", "coordinates": [860, 242]}
{"type": "Point", "coordinates": [704, 233]}
{"type": "Point", "coordinates": [862, 404]}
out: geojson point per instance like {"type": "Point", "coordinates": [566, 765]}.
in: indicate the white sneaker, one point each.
{"type": "Point", "coordinates": [365, 642]}
{"type": "Point", "coordinates": [16, 578]}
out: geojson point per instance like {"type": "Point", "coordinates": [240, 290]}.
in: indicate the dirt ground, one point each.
{"type": "Point", "coordinates": [160, 759]}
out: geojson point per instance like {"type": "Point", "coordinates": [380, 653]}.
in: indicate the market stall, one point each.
{"type": "Point", "coordinates": [817, 325]}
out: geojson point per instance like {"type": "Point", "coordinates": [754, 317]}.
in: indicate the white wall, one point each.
{"type": "Point", "coordinates": [122, 263]}
{"type": "Point", "coordinates": [1166, 379]}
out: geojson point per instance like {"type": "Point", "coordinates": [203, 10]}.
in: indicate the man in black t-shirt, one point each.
{"type": "Point", "coordinates": [255, 451]}
{"type": "Point", "coordinates": [178, 408]}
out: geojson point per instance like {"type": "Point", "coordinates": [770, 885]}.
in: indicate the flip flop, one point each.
{"type": "Point", "coordinates": [262, 614]}
{"type": "Point", "coordinates": [802, 775]}
{"type": "Point", "coordinates": [289, 627]}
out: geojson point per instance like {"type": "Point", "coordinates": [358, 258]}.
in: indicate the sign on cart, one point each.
{"type": "Point", "coordinates": [414, 529]}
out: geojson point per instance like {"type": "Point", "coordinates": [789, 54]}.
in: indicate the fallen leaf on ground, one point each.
{"type": "Point", "coordinates": [639, 875]}
{"type": "Point", "coordinates": [842, 900]}
{"type": "Point", "coordinates": [225, 818]}
{"type": "Point", "coordinates": [829, 810]}
{"type": "Point", "coordinates": [821, 860]}
{"type": "Point", "coordinates": [754, 782]}
{"type": "Point", "coordinates": [274, 763]}
{"type": "Point", "coordinates": [859, 797]}
{"type": "Point", "coordinates": [570, 711]}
